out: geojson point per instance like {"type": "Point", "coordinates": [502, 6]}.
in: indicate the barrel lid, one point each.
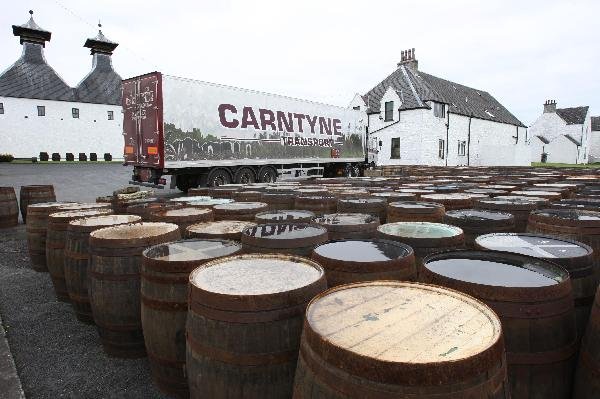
{"type": "Point", "coordinates": [403, 333]}
{"type": "Point", "coordinates": [417, 206]}
{"type": "Point", "coordinates": [191, 198]}
{"type": "Point", "coordinates": [285, 214]}
{"type": "Point", "coordinates": [183, 212]}
{"type": "Point", "coordinates": [516, 199]}
{"type": "Point", "coordinates": [452, 196]}
{"type": "Point", "coordinates": [567, 217]}
{"type": "Point", "coordinates": [363, 251]}
{"type": "Point", "coordinates": [539, 246]}
{"type": "Point", "coordinates": [363, 201]}
{"type": "Point", "coordinates": [80, 205]}
{"type": "Point", "coordinates": [191, 253]}
{"type": "Point", "coordinates": [538, 193]}
{"type": "Point", "coordinates": [210, 202]}
{"type": "Point", "coordinates": [240, 206]}
{"type": "Point", "coordinates": [219, 228]}
{"type": "Point", "coordinates": [511, 203]}
{"type": "Point", "coordinates": [134, 235]}
{"type": "Point", "coordinates": [45, 205]}
{"type": "Point", "coordinates": [284, 235]}
{"type": "Point", "coordinates": [66, 216]}
{"type": "Point", "coordinates": [316, 198]}
{"type": "Point", "coordinates": [96, 222]}
{"type": "Point", "coordinates": [415, 191]}
{"type": "Point", "coordinates": [478, 217]}
{"type": "Point", "coordinates": [424, 230]}
{"type": "Point", "coordinates": [346, 219]}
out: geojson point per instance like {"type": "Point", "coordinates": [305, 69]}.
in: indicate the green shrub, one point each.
{"type": "Point", "coordinates": [6, 158]}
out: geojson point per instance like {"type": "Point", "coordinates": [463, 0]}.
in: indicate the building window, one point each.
{"type": "Point", "coordinates": [439, 110]}
{"type": "Point", "coordinates": [111, 115]}
{"type": "Point", "coordinates": [1, 108]}
{"type": "Point", "coordinates": [75, 113]}
{"type": "Point", "coordinates": [357, 108]}
{"type": "Point", "coordinates": [389, 111]}
{"type": "Point", "coordinates": [441, 148]}
{"type": "Point", "coordinates": [41, 110]}
{"type": "Point", "coordinates": [395, 148]}
{"type": "Point", "coordinates": [462, 148]}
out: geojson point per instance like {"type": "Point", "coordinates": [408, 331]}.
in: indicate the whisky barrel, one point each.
{"type": "Point", "coordinates": [199, 191]}
{"type": "Point", "coordinates": [393, 196]}
{"type": "Point", "coordinates": [278, 201]}
{"type": "Point", "coordinates": [400, 340]}
{"type": "Point", "coordinates": [549, 195]}
{"type": "Point", "coordinates": [9, 210]}
{"type": "Point", "coordinates": [316, 191]}
{"type": "Point", "coordinates": [317, 204]}
{"type": "Point", "coordinates": [283, 238]}
{"type": "Point", "coordinates": [183, 217]}
{"type": "Point", "coordinates": [56, 240]}
{"type": "Point", "coordinates": [534, 301]}
{"type": "Point", "coordinates": [114, 282]}
{"type": "Point", "coordinates": [576, 257]}
{"type": "Point", "coordinates": [247, 196]}
{"type": "Point", "coordinates": [121, 206]}
{"type": "Point", "coordinates": [344, 226]}
{"type": "Point", "coordinates": [226, 191]}
{"type": "Point", "coordinates": [77, 259]}
{"type": "Point", "coordinates": [208, 202]}
{"type": "Point", "coordinates": [352, 194]}
{"type": "Point", "coordinates": [371, 206]}
{"type": "Point", "coordinates": [34, 194]}
{"type": "Point", "coordinates": [519, 207]}
{"type": "Point", "coordinates": [352, 261]}
{"type": "Point", "coordinates": [223, 229]}
{"type": "Point", "coordinates": [453, 201]}
{"type": "Point", "coordinates": [239, 210]}
{"type": "Point", "coordinates": [474, 223]}
{"type": "Point", "coordinates": [413, 211]}
{"type": "Point", "coordinates": [587, 381]}
{"type": "Point", "coordinates": [488, 192]}
{"type": "Point", "coordinates": [164, 293]}
{"type": "Point", "coordinates": [244, 325]}
{"type": "Point", "coordinates": [284, 216]}
{"type": "Point", "coordinates": [147, 209]}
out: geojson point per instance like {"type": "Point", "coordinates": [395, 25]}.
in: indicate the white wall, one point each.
{"type": "Point", "coordinates": [561, 150]}
{"type": "Point", "coordinates": [551, 126]}
{"type": "Point", "coordinates": [25, 134]}
{"type": "Point", "coordinates": [496, 144]}
{"type": "Point", "coordinates": [594, 147]}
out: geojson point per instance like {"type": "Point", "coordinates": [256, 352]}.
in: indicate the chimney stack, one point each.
{"type": "Point", "coordinates": [407, 58]}
{"type": "Point", "coordinates": [550, 106]}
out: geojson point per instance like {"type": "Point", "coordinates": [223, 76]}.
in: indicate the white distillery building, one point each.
{"type": "Point", "coordinates": [39, 112]}
{"type": "Point", "coordinates": [594, 140]}
{"type": "Point", "coordinates": [418, 119]}
{"type": "Point", "coordinates": [561, 135]}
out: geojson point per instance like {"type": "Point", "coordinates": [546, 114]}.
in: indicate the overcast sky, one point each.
{"type": "Point", "coordinates": [522, 52]}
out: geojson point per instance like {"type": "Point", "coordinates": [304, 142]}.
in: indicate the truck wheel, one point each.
{"type": "Point", "coordinates": [244, 176]}
{"type": "Point", "coordinates": [218, 177]}
{"type": "Point", "coordinates": [267, 174]}
{"type": "Point", "coordinates": [184, 183]}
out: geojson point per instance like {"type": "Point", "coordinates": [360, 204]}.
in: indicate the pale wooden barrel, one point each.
{"type": "Point", "coordinates": [225, 229]}
{"type": "Point", "coordinates": [344, 226]}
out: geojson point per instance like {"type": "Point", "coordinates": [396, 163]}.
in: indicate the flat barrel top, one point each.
{"type": "Point", "coordinates": [533, 245]}
{"type": "Point", "coordinates": [68, 215]}
{"type": "Point", "coordinates": [420, 230]}
{"type": "Point", "coordinates": [255, 274]}
{"type": "Point", "coordinates": [45, 205]}
{"type": "Point", "coordinates": [134, 231]}
{"type": "Point", "coordinates": [188, 211]}
{"type": "Point", "coordinates": [362, 201]}
{"type": "Point", "coordinates": [452, 196]}
{"type": "Point", "coordinates": [403, 322]}
{"type": "Point", "coordinates": [76, 206]}
{"type": "Point", "coordinates": [285, 214]}
{"type": "Point", "coordinates": [238, 206]}
{"type": "Point", "coordinates": [415, 205]}
{"type": "Point", "coordinates": [363, 250]}
{"type": "Point", "coordinates": [569, 214]}
{"type": "Point", "coordinates": [345, 219]}
{"type": "Point", "coordinates": [220, 227]}
{"type": "Point", "coordinates": [192, 250]}
{"type": "Point", "coordinates": [518, 199]}
{"type": "Point", "coordinates": [284, 231]}
{"type": "Point", "coordinates": [478, 215]}
{"type": "Point", "coordinates": [191, 198]}
{"type": "Point", "coordinates": [106, 220]}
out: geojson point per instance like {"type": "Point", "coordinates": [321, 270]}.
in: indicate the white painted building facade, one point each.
{"type": "Point", "coordinates": [594, 140]}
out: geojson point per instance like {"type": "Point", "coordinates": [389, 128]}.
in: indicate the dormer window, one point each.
{"type": "Point", "coordinates": [389, 111]}
{"type": "Point", "coordinates": [439, 110]}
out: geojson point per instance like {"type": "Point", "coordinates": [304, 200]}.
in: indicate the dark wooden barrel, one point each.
{"type": "Point", "coordinates": [120, 206]}
{"type": "Point", "coordinates": [400, 340]}
{"type": "Point", "coordinates": [353, 261]}
{"type": "Point", "coordinates": [147, 209]}
{"type": "Point", "coordinates": [278, 201]}
{"type": "Point", "coordinates": [34, 194]}
{"type": "Point", "coordinates": [9, 210]}
{"type": "Point", "coordinates": [317, 204]}
{"type": "Point", "coordinates": [199, 191]}
{"type": "Point", "coordinates": [475, 222]}
{"type": "Point", "coordinates": [312, 192]}
{"type": "Point", "coordinates": [413, 211]}
{"type": "Point", "coordinates": [534, 301]}
{"type": "Point", "coordinates": [453, 201]}
{"type": "Point", "coordinates": [239, 210]}
{"type": "Point", "coordinates": [576, 257]}
{"type": "Point", "coordinates": [224, 191]}
{"type": "Point", "coordinates": [587, 381]}
{"type": "Point", "coordinates": [283, 238]}
{"type": "Point", "coordinates": [77, 259]}
{"type": "Point", "coordinates": [244, 325]}
{"type": "Point", "coordinates": [372, 206]}
{"type": "Point", "coordinates": [164, 294]}
{"type": "Point", "coordinates": [183, 217]}
{"type": "Point", "coordinates": [345, 226]}
{"type": "Point", "coordinates": [247, 196]}
{"type": "Point", "coordinates": [114, 282]}
{"type": "Point", "coordinates": [284, 216]}
{"type": "Point", "coordinates": [519, 207]}
{"type": "Point", "coordinates": [352, 194]}
{"type": "Point", "coordinates": [223, 229]}
{"type": "Point", "coordinates": [56, 240]}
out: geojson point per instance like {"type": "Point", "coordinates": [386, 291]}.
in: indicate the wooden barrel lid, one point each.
{"type": "Point", "coordinates": [422, 234]}
{"type": "Point", "coordinates": [415, 207]}
{"type": "Point", "coordinates": [552, 195]}
{"type": "Point", "coordinates": [393, 196]}
{"type": "Point", "coordinates": [209, 202]}
{"type": "Point", "coordinates": [284, 235]}
{"type": "Point", "coordinates": [240, 207]}
{"type": "Point", "coordinates": [90, 224]}
{"type": "Point", "coordinates": [191, 198]}
{"type": "Point", "coordinates": [285, 215]}
{"type": "Point", "coordinates": [256, 282]}
{"type": "Point", "coordinates": [45, 208]}
{"type": "Point", "coordinates": [134, 235]}
{"type": "Point", "coordinates": [64, 217]}
{"type": "Point", "coordinates": [510, 203]}
{"type": "Point", "coordinates": [78, 206]}
{"type": "Point", "coordinates": [403, 333]}
{"type": "Point", "coordinates": [480, 219]}
{"type": "Point", "coordinates": [230, 229]}
{"type": "Point", "coordinates": [182, 215]}
{"type": "Point", "coordinates": [370, 202]}
{"type": "Point", "coordinates": [567, 217]}
{"type": "Point", "coordinates": [347, 221]}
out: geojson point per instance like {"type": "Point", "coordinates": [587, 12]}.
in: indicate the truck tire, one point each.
{"type": "Point", "coordinates": [185, 182]}
{"type": "Point", "coordinates": [218, 177]}
{"type": "Point", "coordinates": [244, 176]}
{"type": "Point", "coordinates": [267, 174]}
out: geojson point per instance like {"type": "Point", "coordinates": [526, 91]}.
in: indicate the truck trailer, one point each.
{"type": "Point", "coordinates": [206, 134]}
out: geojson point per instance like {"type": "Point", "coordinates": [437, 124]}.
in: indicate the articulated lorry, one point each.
{"type": "Point", "coordinates": [205, 134]}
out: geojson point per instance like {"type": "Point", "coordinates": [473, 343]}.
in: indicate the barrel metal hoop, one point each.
{"type": "Point", "coordinates": [247, 317]}
{"type": "Point", "coordinates": [113, 277]}
{"type": "Point", "coordinates": [173, 364]}
{"type": "Point", "coordinates": [547, 357]}
{"type": "Point", "coordinates": [520, 310]}
{"type": "Point", "coordinates": [164, 305]}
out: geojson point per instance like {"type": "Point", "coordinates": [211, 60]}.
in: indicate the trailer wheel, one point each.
{"type": "Point", "coordinates": [244, 176]}
{"type": "Point", "coordinates": [267, 174]}
{"type": "Point", "coordinates": [218, 177]}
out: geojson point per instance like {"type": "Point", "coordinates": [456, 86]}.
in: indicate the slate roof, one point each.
{"type": "Point", "coordinates": [102, 85]}
{"type": "Point", "coordinates": [595, 123]}
{"type": "Point", "coordinates": [416, 87]}
{"type": "Point", "coordinates": [543, 139]}
{"type": "Point", "coordinates": [574, 115]}
{"type": "Point", "coordinates": [573, 140]}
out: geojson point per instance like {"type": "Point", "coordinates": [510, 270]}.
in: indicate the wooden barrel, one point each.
{"type": "Point", "coordinates": [203, 191]}
{"type": "Point", "coordinates": [576, 257]}
{"type": "Point", "coordinates": [393, 196]}
{"type": "Point", "coordinates": [77, 259]}
{"type": "Point", "coordinates": [372, 206]}
{"type": "Point", "coordinates": [114, 282]}
{"type": "Point", "coordinates": [519, 207]}
{"type": "Point", "coordinates": [208, 202]}
{"type": "Point", "coordinates": [34, 194]}
{"type": "Point", "coordinates": [147, 209]}
{"type": "Point", "coordinates": [164, 294]}
{"type": "Point", "coordinates": [278, 201]}
{"type": "Point", "coordinates": [226, 191]}
{"type": "Point", "coordinates": [345, 226]}
{"type": "Point", "coordinates": [244, 325]}
{"type": "Point", "coordinates": [239, 210]}
{"type": "Point", "coordinates": [353, 261]}
{"type": "Point", "coordinates": [534, 301]}
{"type": "Point", "coordinates": [312, 192]}
{"type": "Point", "coordinates": [488, 192]}
{"type": "Point", "coordinates": [120, 206]}
{"type": "Point", "coordinates": [550, 195]}
{"type": "Point", "coordinates": [352, 194]}
{"type": "Point", "coordinates": [453, 201]}
{"type": "Point", "coordinates": [223, 229]}
{"type": "Point", "coordinates": [284, 216]}
{"type": "Point", "coordinates": [247, 196]}
{"type": "Point", "coordinates": [318, 204]}
{"type": "Point", "coordinates": [56, 240]}
{"type": "Point", "coordinates": [9, 210]}
{"type": "Point", "coordinates": [587, 383]}
{"type": "Point", "coordinates": [412, 211]}
{"type": "Point", "coordinates": [183, 217]}
{"type": "Point", "coordinates": [192, 198]}
{"type": "Point", "coordinates": [283, 238]}
{"type": "Point", "coordinates": [474, 223]}
{"type": "Point", "coordinates": [400, 340]}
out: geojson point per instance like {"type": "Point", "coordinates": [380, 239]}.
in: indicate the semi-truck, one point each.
{"type": "Point", "coordinates": [206, 134]}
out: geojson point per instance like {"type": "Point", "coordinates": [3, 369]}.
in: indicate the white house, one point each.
{"type": "Point", "coordinates": [594, 140]}
{"type": "Point", "coordinates": [561, 135]}
{"type": "Point", "coordinates": [418, 119]}
{"type": "Point", "coordinates": [40, 112]}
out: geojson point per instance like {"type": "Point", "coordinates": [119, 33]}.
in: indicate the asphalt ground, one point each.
{"type": "Point", "coordinates": [55, 355]}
